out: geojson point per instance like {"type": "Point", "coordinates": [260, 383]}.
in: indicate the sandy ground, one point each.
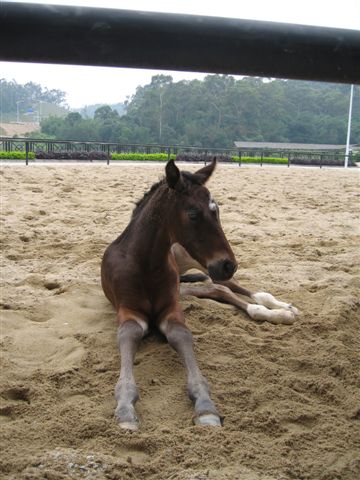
{"type": "Point", "coordinates": [290, 394]}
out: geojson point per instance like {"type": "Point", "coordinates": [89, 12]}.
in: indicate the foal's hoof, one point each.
{"type": "Point", "coordinates": [131, 426]}
{"type": "Point", "coordinates": [208, 419]}
{"type": "Point", "coordinates": [127, 419]}
{"type": "Point", "coordinates": [294, 310]}
{"type": "Point", "coordinates": [281, 316]}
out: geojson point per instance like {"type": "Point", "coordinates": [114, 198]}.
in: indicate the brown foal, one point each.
{"type": "Point", "coordinates": [140, 277]}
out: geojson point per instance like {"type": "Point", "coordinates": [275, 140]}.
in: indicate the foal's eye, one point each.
{"type": "Point", "coordinates": [193, 214]}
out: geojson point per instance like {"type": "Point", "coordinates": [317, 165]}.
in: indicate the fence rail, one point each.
{"type": "Point", "coordinates": [89, 151]}
{"type": "Point", "coordinates": [124, 38]}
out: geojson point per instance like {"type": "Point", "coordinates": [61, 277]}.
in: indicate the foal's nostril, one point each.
{"type": "Point", "coordinates": [222, 270]}
{"type": "Point", "coordinates": [229, 268]}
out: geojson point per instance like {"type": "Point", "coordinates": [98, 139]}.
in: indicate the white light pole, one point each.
{"type": "Point", "coordinates": [349, 128]}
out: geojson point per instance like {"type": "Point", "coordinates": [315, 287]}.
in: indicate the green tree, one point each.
{"type": "Point", "coordinates": [29, 95]}
{"type": "Point", "coordinates": [219, 110]}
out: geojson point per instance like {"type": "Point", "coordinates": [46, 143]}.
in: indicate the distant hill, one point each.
{"type": "Point", "coordinates": [51, 110]}
{"type": "Point", "coordinates": [18, 129]}
{"type": "Point", "coordinates": [89, 110]}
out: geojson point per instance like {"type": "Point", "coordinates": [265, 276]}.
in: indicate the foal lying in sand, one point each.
{"type": "Point", "coordinates": [140, 277]}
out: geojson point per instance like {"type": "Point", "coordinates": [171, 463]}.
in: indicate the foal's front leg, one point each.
{"type": "Point", "coordinates": [281, 312]}
{"type": "Point", "coordinates": [266, 306]}
{"type": "Point", "coordinates": [180, 338]}
{"type": "Point", "coordinates": [262, 298]}
{"type": "Point", "coordinates": [223, 294]}
{"type": "Point", "coordinates": [126, 393]}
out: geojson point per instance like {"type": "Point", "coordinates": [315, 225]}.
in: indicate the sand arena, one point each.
{"type": "Point", "coordinates": [290, 394]}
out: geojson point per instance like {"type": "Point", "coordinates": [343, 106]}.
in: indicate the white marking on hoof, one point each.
{"type": "Point", "coordinates": [129, 426]}
{"type": "Point", "coordinates": [277, 316]}
{"type": "Point", "coordinates": [269, 301]}
{"type": "Point", "coordinates": [209, 419]}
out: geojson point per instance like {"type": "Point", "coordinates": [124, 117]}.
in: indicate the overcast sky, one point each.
{"type": "Point", "coordinates": [88, 85]}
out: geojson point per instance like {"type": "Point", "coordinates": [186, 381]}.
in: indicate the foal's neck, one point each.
{"type": "Point", "coordinates": [154, 238]}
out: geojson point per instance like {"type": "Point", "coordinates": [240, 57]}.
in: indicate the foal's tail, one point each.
{"type": "Point", "coordinates": [193, 277]}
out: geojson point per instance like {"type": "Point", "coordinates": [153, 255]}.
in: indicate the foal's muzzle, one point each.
{"type": "Point", "coordinates": [222, 270]}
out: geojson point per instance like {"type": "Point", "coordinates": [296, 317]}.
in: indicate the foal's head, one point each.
{"type": "Point", "coordinates": [195, 222]}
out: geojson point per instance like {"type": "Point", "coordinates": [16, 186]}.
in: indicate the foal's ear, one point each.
{"type": "Point", "coordinates": [172, 174]}
{"type": "Point", "coordinates": [205, 173]}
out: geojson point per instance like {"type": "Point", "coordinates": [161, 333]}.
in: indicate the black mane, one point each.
{"type": "Point", "coordinates": [192, 178]}
{"type": "Point", "coordinates": [140, 203]}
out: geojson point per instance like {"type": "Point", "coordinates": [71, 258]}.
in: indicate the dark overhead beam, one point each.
{"type": "Point", "coordinates": [123, 38]}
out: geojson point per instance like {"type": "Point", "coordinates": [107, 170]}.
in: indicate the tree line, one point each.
{"type": "Point", "coordinates": [217, 111]}
{"type": "Point", "coordinates": [29, 95]}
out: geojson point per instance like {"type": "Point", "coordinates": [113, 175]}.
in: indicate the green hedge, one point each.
{"type": "Point", "coordinates": [16, 155]}
{"type": "Point", "coordinates": [163, 157]}
{"type": "Point", "coordinates": [272, 160]}
{"type": "Point", "coordinates": [158, 157]}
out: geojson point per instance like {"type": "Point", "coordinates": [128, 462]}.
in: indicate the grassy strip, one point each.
{"type": "Point", "coordinates": [158, 157]}
{"type": "Point", "coordinates": [16, 155]}
{"type": "Point", "coordinates": [271, 160]}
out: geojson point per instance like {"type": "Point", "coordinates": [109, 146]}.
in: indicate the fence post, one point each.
{"type": "Point", "coordinates": [26, 153]}
{"type": "Point", "coordinates": [239, 158]}
{"type": "Point", "coordinates": [289, 160]}
{"type": "Point", "coordinates": [108, 155]}
{"type": "Point", "coordinates": [261, 161]}
{"type": "Point", "coordinates": [321, 160]}
{"type": "Point", "coordinates": [169, 149]}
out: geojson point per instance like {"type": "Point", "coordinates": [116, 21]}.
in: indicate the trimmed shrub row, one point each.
{"type": "Point", "coordinates": [201, 157]}
{"type": "Point", "coordinates": [154, 157]}
{"type": "Point", "coordinates": [269, 160]}
{"type": "Point", "coordinates": [335, 162]}
{"type": "Point", "coordinates": [70, 155]}
{"type": "Point", "coordinates": [194, 157]}
{"type": "Point", "coordinates": [16, 155]}
{"type": "Point", "coordinates": [163, 157]}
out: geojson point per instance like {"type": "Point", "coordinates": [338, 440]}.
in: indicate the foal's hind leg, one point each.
{"type": "Point", "coordinates": [223, 294]}
{"type": "Point", "coordinates": [180, 338]}
{"type": "Point", "coordinates": [126, 393]}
